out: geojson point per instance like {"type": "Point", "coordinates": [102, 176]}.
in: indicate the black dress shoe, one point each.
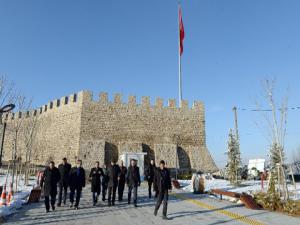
{"type": "Point", "coordinates": [58, 205]}
{"type": "Point", "coordinates": [165, 218]}
{"type": "Point", "coordinates": [47, 210]}
{"type": "Point", "coordinates": [71, 206]}
{"type": "Point", "coordinates": [76, 207]}
{"type": "Point", "coordinates": [53, 208]}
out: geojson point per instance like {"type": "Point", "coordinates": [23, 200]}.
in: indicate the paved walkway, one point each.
{"type": "Point", "coordinates": [184, 208]}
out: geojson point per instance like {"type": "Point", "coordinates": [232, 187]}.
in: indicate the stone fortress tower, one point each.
{"type": "Point", "coordinates": [77, 126]}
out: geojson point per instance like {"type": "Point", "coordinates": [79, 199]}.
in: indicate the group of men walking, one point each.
{"type": "Point", "coordinates": [106, 180]}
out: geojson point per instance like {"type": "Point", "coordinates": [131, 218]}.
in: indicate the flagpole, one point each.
{"type": "Point", "coordinates": [179, 86]}
{"type": "Point", "coordinates": [179, 60]}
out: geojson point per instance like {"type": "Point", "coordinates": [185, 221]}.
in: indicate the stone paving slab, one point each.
{"type": "Point", "coordinates": [180, 211]}
{"type": "Point", "coordinates": [262, 216]}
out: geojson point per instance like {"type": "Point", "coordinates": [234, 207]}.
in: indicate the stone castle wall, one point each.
{"type": "Point", "coordinates": [80, 127]}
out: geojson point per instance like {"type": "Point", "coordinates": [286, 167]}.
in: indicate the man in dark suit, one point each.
{"type": "Point", "coordinates": [95, 177]}
{"type": "Point", "coordinates": [64, 170]}
{"type": "Point", "coordinates": [150, 176]}
{"type": "Point", "coordinates": [133, 181]}
{"type": "Point", "coordinates": [77, 182]}
{"type": "Point", "coordinates": [163, 179]}
{"type": "Point", "coordinates": [113, 173]}
{"type": "Point", "coordinates": [49, 181]}
{"type": "Point", "coordinates": [122, 181]}
{"type": "Point", "coordinates": [104, 182]}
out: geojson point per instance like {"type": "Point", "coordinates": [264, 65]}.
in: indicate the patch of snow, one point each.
{"type": "Point", "coordinates": [246, 187]}
{"type": "Point", "coordinates": [19, 198]}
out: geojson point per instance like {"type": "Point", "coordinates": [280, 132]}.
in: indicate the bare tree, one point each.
{"type": "Point", "coordinates": [29, 132]}
{"type": "Point", "coordinates": [22, 105]}
{"type": "Point", "coordinates": [7, 96]}
{"type": "Point", "coordinates": [277, 130]}
{"type": "Point", "coordinates": [8, 91]}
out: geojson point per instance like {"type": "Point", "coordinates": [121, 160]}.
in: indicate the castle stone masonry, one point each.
{"type": "Point", "coordinates": [79, 127]}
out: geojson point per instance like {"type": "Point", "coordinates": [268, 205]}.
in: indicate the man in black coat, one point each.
{"type": "Point", "coordinates": [77, 182]}
{"type": "Point", "coordinates": [133, 181]}
{"type": "Point", "coordinates": [64, 170]}
{"type": "Point", "coordinates": [104, 182]}
{"type": "Point", "coordinates": [95, 177]}
{"type": "Point", "coordinates": [122, 181]}
{"type": "Point", "coordinates": [150, 176]}
{"type": "Point", "coordinates": [49, 181]}
{"type": "Point", "coordinates": [113, 173]}
{"type": "Point", "coordinates": [163, 179]}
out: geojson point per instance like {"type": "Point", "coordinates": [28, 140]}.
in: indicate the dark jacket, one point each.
{"type": "Point", "coordinates": [133, 176]}
{"type": "Point", "coordinates": [162, 180]}
{"type": "Point", "coordinates": [150, 173]}
{"type": "Point", "coordinates": [105, 177]}
{"type": "Point", "coordinates": [123, 172]}
{"type": "Point", "coordinates": [155, 185]}
{"type": "Point", "coordinates": [77, 181]}
{"type": "Point", "coordinates": [95, 176]}
{"type": "Point", "coordinates": [64, 171]}
{"type": "Point", "coordinates": [49, 180]}
{"type": "Point", "coordinates": [113, 173]}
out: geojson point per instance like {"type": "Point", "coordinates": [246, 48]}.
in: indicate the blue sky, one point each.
{"type": "Point", "coordinates": [54, 48]}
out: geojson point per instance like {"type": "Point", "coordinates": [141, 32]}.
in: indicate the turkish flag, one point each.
{"type": "Point", "coordinates": [181, 30]}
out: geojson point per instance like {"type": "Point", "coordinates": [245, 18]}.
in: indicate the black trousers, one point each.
{"type": "Point", "coordinates": [112, 194]}
{"type": "Point", "coordinates": [62, 193]}
{"type": "Point", "coordinates": [47, 200]}
{"type": "Point", "coordinates": [121, 187]}
{"type": "Point", "coordinates": [150, 182]}
{"type": "Point", "coordinates": [78, 195]}
{"type": "Point", "coordinates": [95, 196]}
{"type": "Point", "coordinates": [163, 196]}
{"type": "Point", "coordinates": [134, 189]}
{"type": "Point", "coordinates": [104, 190]}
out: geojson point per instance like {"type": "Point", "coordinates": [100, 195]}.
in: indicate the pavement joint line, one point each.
{"type": "Point", "coordinates": [232, 215]}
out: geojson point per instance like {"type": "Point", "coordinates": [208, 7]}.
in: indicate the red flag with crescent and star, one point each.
{"type": "Point", "coordinates": [181, 31]}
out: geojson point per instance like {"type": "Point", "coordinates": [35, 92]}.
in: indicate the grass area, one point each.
{"type": "Point", "coordinates": [274, 203]}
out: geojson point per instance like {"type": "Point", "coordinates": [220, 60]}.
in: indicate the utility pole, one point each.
{"type": "Point", "coordinates": [237, 139]}
{"type": "Point", "coordinates": [236, 122]}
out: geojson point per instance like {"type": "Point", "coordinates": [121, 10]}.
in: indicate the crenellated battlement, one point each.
{"type": "Point", "coordinates": [103, 99]}
{"type": "Point", "coordinates": [86, 97]}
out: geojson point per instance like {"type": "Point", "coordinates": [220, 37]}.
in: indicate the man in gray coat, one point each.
{"type": "Point", "coordinates": [49, 181]}
{"type": "Point", "coordinates": [113, 173]}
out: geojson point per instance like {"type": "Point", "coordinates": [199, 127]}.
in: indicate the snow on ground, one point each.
{"type": "Point", "coordinates": [246, 187]}
{"type": "Point", "coordinates": [19, 197]}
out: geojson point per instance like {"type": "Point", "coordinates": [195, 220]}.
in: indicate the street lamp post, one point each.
{"type": "Point", "coordinates": [4, 109]}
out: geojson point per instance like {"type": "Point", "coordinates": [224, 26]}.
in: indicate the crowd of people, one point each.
{"type": "Point", "coordinates": [105, 180]}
